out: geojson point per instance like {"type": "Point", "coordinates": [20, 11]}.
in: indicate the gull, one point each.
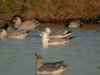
{"type": "Point", "coordinates": [13, 35]}
{"type": "Point", "coordinates": [74, 24]}
{"type": "Point", "coordinates": [58, 34]}
{"type": "Point", "coordinates": [26, 25]}
{"type": "Point", "coordinates": [49, 67]}
{"type": "Point", "coordinates": [46, 40]}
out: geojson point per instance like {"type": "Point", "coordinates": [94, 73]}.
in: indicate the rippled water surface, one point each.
{"type": "Point", "coordinates": [82, 53]}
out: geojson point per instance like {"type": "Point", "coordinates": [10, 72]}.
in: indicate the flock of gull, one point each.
{"type": "Point", "coordinates": [48, 38]}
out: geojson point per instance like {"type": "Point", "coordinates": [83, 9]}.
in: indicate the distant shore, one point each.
{"type": "Point", "coordinates": [61, 26]}
{"type": "Point", "coordinates": [91, 26]}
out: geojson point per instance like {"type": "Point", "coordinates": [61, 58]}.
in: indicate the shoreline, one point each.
{"type": "Point", "coordinates": [62, 26]}
{"type": "Point", "coordinates": [91, 26]}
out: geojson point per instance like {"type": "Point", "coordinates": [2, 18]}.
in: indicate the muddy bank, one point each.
{"type": "Point", "coordinates": [3, 23]}
{"type": "Point", "coordinates": [51, 25]}
{"type": "Point", "coordinates": [62, 26]}
{"type": "Point", "coordinates": [91, 26]}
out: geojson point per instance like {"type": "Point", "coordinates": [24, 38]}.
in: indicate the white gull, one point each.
{"type": "Point", "coordinates": [46, 40]}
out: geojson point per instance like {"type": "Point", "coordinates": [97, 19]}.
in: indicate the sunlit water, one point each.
{"type": "Point", "coordinates": [82, 53]}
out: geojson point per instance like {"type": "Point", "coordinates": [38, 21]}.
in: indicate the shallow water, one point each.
{"type": "Point", "coordinates": [82, 53]}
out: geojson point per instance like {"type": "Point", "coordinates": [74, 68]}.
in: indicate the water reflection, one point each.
{"type": "Point", "coordinates": [53, 74]}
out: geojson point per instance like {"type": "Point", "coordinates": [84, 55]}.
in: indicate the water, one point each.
{"type": "Point", "coordinates": [82, 54]}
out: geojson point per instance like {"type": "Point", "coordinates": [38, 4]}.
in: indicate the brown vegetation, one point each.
{"type": "Point", "coordinates": [49, 10]}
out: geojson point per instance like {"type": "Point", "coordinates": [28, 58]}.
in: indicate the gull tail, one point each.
{"type": "Point", "coordinates": [67, 33]}
{"type": "Point", "coordinates": [66, 65]}
{"type": "Point", "coordinates": [71, 37]}
{"type": "Point", "coordinates": [28, 31]}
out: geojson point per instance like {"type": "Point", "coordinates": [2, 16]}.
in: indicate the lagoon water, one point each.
{"type": "Point", "coordinates": [82, 53]}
